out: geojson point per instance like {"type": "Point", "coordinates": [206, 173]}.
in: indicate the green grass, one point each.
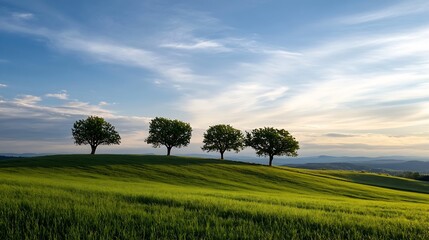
{"type": "Point", "coordinates": [157, 197]}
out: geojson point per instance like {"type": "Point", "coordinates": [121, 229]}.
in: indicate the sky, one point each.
{"type": "Point", "coordinates": [346, 78]}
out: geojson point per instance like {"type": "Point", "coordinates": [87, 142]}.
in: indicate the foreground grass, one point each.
{"type": "Point", "coordinates": [156, 197]}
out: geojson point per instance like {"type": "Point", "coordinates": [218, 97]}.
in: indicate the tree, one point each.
{"type": "Point", "coordinates": [223, 138]}
{"type": "Point", "coordinates": [272, 142]}
{"type": "Point", "coordinates": [169, 133]}
{"type": "Point", "coordinates": [94, 131]}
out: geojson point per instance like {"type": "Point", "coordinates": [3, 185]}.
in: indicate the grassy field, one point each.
{"type": "Point", "coordinates": [157, 197]}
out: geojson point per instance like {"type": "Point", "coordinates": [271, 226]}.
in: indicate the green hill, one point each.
{"type": "Point", "coordinates": [157, 197]}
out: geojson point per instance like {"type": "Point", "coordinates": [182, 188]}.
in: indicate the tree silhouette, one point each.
{"type": "Point", "coordinates": [223, 138]}
{"type": "Point", "coordinates": [169, 133]}
{"type": "Point", "coordinates": [272, 142]}
{"type": "Point", "coordinates": [94, 131]}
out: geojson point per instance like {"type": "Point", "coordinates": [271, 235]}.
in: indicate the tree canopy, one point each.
{"type": "Point", "coordinates": [223, 138]}
{"type": "Point", "coordinates": [94, 131]}
{"type": "Point", "coordinates": [272, 142]}
{"type": "Point", "coordinates": [169, 133]}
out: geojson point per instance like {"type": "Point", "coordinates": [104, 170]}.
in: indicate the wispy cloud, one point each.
{"type": "Point", "coordinates": [191, 30]}
{"type": "Point", "coordinates": [236, 104]}
{"type": "Point", "coordinates": [398, 10]}
{"type": "Point", "coordinates": [339, 135]}
{"type": "Point", "coordinates": [22, 16]}
{"type": "Point", "coordinates": [61, 95]}
{"type": "Point", "coordinates": [198, 45]}
{"type": "Point", "coordinates": [27, 100]}
{"type": "Point", "coordinates": [131, 56]}
{"type": "Point", "coordinates": [112, 52]}
{"type": "Point", "coordinates": [3, 85]}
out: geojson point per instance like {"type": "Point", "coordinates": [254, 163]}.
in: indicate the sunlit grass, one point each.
{"type": "Point", "coordinates": [156, 197]}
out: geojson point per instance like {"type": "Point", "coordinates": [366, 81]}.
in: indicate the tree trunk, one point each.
{"type": "Point", "coordinates": [221, 155]}
{"type": "Point", "coordinates": [271, 160]}
{"type": "Point", "coordinates": [93, 148]}
{"type": "Point", "coordinates": [168, 151]}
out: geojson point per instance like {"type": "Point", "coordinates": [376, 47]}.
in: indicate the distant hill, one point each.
{"type": "Point", "coordinates": [24, 154]}
{"type": "Point", "coordinates": [5, 157]}
{"type": "Point", "coordinates": [332, 159]}
{"type": "Point", "coordinates": [415, 166]}
{"type": "Point", "coordinates": [334, 166]}
{"type": "Point", "coordinates": [373, 166]}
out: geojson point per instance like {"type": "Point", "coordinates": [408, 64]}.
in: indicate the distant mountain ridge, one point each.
{"type": "Point", "coordinates": [24, 154]}
{"type": "Point", "coordinates": [279, 161]}
{"type": "Point", "coordinates": [373, 166]}
{"type": "Point", "coordinates": [5, 157]}
{"type": "Point", "coordinates": [330, 159]}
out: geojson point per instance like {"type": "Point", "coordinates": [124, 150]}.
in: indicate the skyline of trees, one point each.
{"type": "Point", "coordinates": [266, 141]}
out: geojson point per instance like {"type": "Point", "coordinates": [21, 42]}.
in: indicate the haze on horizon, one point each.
{"type": "Point", "coordinates": [344, 77]}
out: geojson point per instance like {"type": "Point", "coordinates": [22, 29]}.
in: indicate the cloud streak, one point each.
{"type": "Point", "coordinates": [198, 45]}
{"type": "Point", "coordinates": [27, 100]}
{"type": "Point", "coordinates": [111, 52]}
{"type": "Point", "coordinates": [22, 16]}
{"type": "Point", "coordinates": [61, 95]}
{"type": "Point", "coordinates": [398, 10]}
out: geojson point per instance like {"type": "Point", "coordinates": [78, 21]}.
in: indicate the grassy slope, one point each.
{"type": "Point", "coordinates": [382, 180]}
{"type": "Point", "coordinates": [108, 196]}
{"type": "Point", "coordinates": [373, 179]}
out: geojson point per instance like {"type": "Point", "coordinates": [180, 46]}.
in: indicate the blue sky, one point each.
{"type": "Point", "coordinates": [344, 77]}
